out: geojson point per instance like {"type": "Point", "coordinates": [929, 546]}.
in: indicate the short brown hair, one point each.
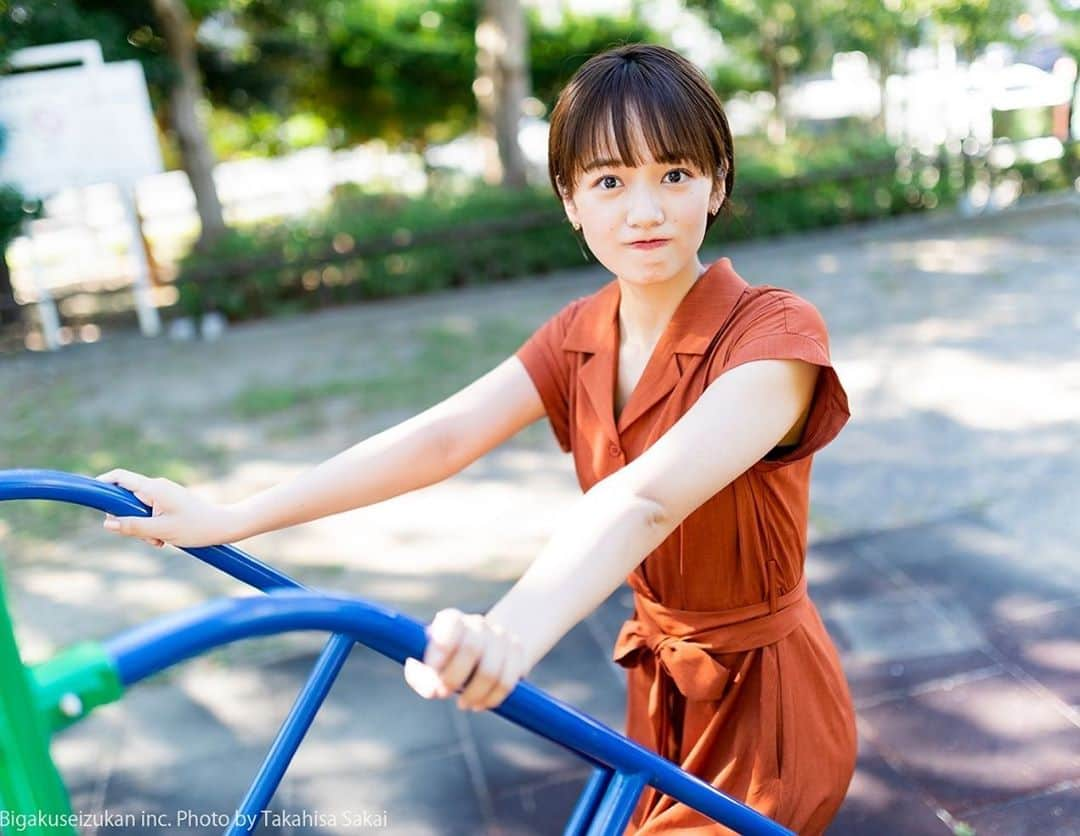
{"type": "Point", "coordinates": [681, 117]}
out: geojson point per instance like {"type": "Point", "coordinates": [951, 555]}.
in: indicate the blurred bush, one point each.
{"type": "Point", "coordinates": [379, 245]}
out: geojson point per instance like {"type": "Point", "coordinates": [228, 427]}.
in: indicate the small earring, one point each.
{"type": "Point", "coordinates": [576, 226]}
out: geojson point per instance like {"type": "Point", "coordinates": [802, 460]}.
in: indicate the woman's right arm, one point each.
{"type": "Point", "coordinates": [423, 450]}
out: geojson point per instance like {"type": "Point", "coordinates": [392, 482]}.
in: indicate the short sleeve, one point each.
{"type": "Point", "coordinates": [549, 367]}
{"type": "Point", "coordinates": [788, 327]}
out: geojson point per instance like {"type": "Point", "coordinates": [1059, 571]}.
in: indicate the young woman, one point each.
{"type": "Point", "coordinates": [692, 402]}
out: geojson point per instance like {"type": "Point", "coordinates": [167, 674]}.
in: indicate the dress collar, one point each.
{"type": "Point", "coordinates": [699, 316]}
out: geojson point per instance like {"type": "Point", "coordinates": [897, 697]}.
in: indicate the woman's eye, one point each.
{"type": "Point", "coordinates": [679, 171]}
{"type": "Point", "coordinates": [608, 181]}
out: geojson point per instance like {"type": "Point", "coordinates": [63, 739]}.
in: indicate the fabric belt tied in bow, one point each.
{"type": "Point", "coordinates": [683, 640]}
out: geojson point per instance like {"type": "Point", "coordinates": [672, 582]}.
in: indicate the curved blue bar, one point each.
{"type": "Point", "coordinates": [288, 606]}
{"type": "Point", "coordinates": [166, 641]}
{"type": "Point", "coordinates": [83, 490]}
{"type": "Point", "coordinates": [89, 492]}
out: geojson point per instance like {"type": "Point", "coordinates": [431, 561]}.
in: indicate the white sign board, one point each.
{"type": "Point", "coordinates": [77, 126]}
{"type": "Point", "coordinates": [67, 127]}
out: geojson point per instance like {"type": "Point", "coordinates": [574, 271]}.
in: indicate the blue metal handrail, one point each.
{"type": "Point", "coordinates": [622, 767]}
{"type": "Point", "coordinates": [82, 490]}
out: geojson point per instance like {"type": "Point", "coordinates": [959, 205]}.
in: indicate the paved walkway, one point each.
{"type": "Point", "coordinates": [942, 560]}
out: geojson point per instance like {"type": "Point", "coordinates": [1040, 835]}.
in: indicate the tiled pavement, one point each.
{"type": "Point", "coordinates": [962, 658]}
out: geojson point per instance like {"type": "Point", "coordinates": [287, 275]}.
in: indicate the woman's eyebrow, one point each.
{"type": "Point", "coordinates": [609, 162]}
{"type": "Point", "coordinates": [603, 162]}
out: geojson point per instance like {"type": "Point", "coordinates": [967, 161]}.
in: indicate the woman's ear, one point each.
{"type": "Point", "coordinates": [568, 205]}
{"type": "Point", "coordinates": [571, 214]}
{"type": "Point", "coordinates": [716, 200]}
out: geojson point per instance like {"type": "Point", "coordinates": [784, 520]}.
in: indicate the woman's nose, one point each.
{"type": "Point", "coordinates": [644, 208]}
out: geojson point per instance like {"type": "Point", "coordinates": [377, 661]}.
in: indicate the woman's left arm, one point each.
{"type": "Point", "coordinates": [739, 418]}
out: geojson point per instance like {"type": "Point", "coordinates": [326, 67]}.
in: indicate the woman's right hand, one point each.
{"type": "Point", "coordinates": [179, 517]}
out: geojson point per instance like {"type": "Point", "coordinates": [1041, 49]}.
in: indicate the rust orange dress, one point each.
{"type": "Point", "coordinates": [730, 671]}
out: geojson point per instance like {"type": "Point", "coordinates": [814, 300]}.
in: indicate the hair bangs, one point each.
{"type": "Point", "coordinates": [636, 102]}
{"type": "Point", "coordinates": [629, 120]}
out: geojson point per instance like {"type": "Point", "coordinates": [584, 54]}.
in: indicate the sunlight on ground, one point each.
{"type": "Point", "coordinates": [239, 699]}
{"type": "Point", "coordinates": [984, 393]}
{"type": "Point", "coordinates": [1063, 654]}
{"type": "Point", "coordinates": [1003, 713]}
{"type": "Point", "coordinates": [368, 754]}
{"type": "Point", "coordinates": [977, 255]}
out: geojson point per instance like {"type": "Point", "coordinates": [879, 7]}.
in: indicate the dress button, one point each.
{"type": "Point", "coordinates": [615, 450]}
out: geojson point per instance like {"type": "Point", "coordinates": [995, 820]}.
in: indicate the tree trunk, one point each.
{"type": "Point", "coordinates": [887, 60]}
{"type": "Point", "coordinates": [1074, 135]}
{"type": "Point", "coordinates": [776, 128]}
{"type": "Point", "coordinates": [502, 85]}
{"type": "Point", "coordinates": [198, 160]}
{"type": "Point", "coordinates": [9, 310]}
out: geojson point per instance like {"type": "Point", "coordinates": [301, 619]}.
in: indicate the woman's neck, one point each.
{"type": "Point", "coordinates": [645, 310]}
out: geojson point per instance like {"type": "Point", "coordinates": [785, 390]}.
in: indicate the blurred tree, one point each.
{"type": "Point", "coordinates": [557, 50]}
{"type": "Point", "coordinates": [783, 37]}
{"type": "Point", "coordinates": [400, 70]}
{"type": "Point", "coordinates": [341, 71]}
{"type": "Point", "coordinates": [975, 24]}
{"type": "Point", "coordinates": [1069, 38]}
{"type": "Point", "coordinates": [881, 30]}
{"type": "Point", "coordinates": [14, 210]}
{"type": "Point", "coordinates": [184, 95]}
{"type": "Point", "coordinates": [501, 87]}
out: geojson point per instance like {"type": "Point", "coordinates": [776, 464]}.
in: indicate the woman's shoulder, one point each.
{"type": "Point", "coordinates": [769, 309]}
{"type": "Point", "coordinates": [580, 321]}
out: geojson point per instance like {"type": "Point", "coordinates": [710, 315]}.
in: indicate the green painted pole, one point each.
{"type": "Point", "coordinates": [30, 786]}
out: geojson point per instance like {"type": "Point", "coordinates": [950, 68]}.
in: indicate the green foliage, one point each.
{"type": "Point", "coordinates": [371, 68]}
{"type": "Point", "coordinates": [804, 152]}
{"type": "Point", "coordinates": [14, 209]}
{"type": "Point", "coordinates": [1068, 34]}
{"type": "Point", "coordinates": [368, 246]}
{"type": "Point", "coordinates": [977, 23]}
{"type": "Point", "coordinates": [401, 265]}
{"type": "Point", "coordinates": [880, 30]}
{"type": "Point", "coordinates": [556, 53]}
{"type": "Point", "coordinates": [124, 30]}
{"type": "Point", "coordinates": [773, 39]}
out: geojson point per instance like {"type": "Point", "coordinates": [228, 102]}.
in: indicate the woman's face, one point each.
{"type": "Point", "coordinates": [619, 207]}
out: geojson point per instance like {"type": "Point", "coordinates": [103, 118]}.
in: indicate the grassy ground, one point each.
{"type": "Point", "coordinates": [48, 425]}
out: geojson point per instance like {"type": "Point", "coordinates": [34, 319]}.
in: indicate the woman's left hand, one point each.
{"type": "Point", "coordinates": [470, 652]}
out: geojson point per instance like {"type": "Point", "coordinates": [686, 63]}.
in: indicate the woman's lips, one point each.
{"type": "Point", "coordinates": [650, 245]}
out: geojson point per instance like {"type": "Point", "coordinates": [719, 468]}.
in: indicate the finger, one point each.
{"type": "Point", "coordinates": [138, 484]}
{"type": "Point", "coordinates": [462, 661]}
{"type": "Point", "coordinates": [486, 675]}
{"type": "Point", "coordinates": [424, 680]}
{"type": "Point", "coordinates": [508, 678]}
{"type": "Point", "coordinates": [444, 634]}
{"type": "Point", "coordinates": [135, 526]}
{"type": "Point", "coordinates": [124, 478]}
{"type": "Point", "coordinates": [145, 498]}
